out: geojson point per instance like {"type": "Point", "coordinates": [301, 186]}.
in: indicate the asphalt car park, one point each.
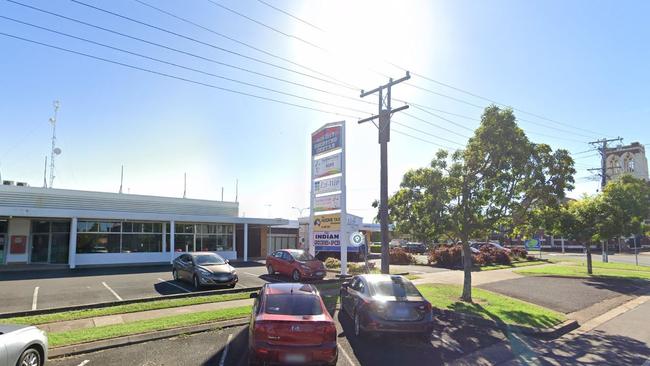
{"type": "Point", "coordinates": [50, 289]}
{"type": "Point", "coordinates": [449, 341]}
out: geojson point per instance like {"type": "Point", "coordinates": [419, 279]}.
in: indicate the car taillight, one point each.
{"type": "Point", "coordinates": [425, 307]}
{"type": "Point", "coordinates": [261, 331]}
{"type": "Point", "coordinates": [329, 332]}
{"type": "Point", "coordinates": [378, 307]}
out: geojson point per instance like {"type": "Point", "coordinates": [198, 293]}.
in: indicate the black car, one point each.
{"type": "Point", "coordinates": [415, 248]}
{"type": "Point", "coordinates": [204, 269]}
{"type": "Point", "coordinates": [379, 303]}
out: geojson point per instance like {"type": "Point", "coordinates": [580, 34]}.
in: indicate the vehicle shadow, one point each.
{"type": "Point", "coordinates": [237, 351]}
{"type": "Point", "coordinates": [82, 272]}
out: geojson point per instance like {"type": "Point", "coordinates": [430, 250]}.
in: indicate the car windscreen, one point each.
{"type": "Point", "coordinates": [289, 304]}
{"type": "Point", "coordinates": [208, 259]}
{"type": "Point", "coordinates": [397, 288]}
{"type": "Point", "coordinates": [302, 256]}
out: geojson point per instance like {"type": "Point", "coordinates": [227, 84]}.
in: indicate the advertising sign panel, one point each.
{"type": "Point", "coordinates": [327, 203]}
{"type": "Point", "coordinates": [327, 185]}
{"type": "Point", "coordinates": [326, 139]}
{"type": "Point", "coordinates": [327, 238]}
{"type": "Point", "coordinates": [327, 166]}
{"type": "Point", "coordinates": [329, 222]}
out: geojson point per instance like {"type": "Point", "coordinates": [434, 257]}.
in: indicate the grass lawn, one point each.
{"type": "Point", "coordinates": [512, 265]}
{"type": "Point", "coordinates": [579, 269]}
{"type": "Point", "coordinates": [490, 305]}
{"type": "Point", "coordinates": [122, 309]}
{"type": "Point", "coordinates": [112, 331]}
{"type": "Point", "coordinates": [598, 264]}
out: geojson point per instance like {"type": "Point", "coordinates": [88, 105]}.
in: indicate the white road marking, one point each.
{"type": "Point", "coordinates": [347, 356]}
{"type": "Point", "coordinates": [175, 285]}
{"type": "Point", "coordinates": [647, 362]}
{"type": "Point", "coordinates": [85, 362]}
{"type": "Point", "coordinates": [112, 291]}
{"type": "Point", "coordinates": [251, 274]}
{"type": "Point", "coordinates": [35, 298]}
{"type": "Point", "coordinates": [225, 351]}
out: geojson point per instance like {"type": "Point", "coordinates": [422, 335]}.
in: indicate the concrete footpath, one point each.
{"type": "Point", "coordinates": [141, 315]}
{"type": "Point", "coordinates": [478, 277]}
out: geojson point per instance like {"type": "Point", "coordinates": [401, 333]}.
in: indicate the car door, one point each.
{"type": "Point", "coordinates": [186, 267]}
{"type": "Point", "coordinates": [346, 295]}
{"type": "Point", "coordinates": [275, 260]}
{"type": "Point", "coordinates": [3, 351]}
{"type": "Point", "coordinates": [358, 294]}
{"type": "Point", "coordinates": [286, 266]}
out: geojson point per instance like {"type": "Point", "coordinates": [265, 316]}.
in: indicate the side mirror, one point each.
{"type": "Point", "coordinates": [254, 295]}
{"type": "Point", "coordinates": [345, 285]}
{"type": "Point", "coordinates": [227, 261]}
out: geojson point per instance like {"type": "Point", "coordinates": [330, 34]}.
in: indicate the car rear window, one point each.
{"type": "Point", "coordinates": [289, 304]}
{"type": "Point", "coordinates": [302, 256]}
{"type": "Point", "coordinates": [397, 288]}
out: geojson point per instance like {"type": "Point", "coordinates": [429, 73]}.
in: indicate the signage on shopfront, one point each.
{"type": "Point", "coordinates": [326, 139]}
{"type": "Point", "coordinates": [327, 185]}
{"type": "Point", "coordinates": [327, 238]}
{"type": "Point", "coordinates": [329, 222]}
{"type": "Point", "coordinates": [328, 165]}
{"type": "Point", "coordinates": [327, 203]}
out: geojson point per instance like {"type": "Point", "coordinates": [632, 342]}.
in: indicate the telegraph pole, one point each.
{"type": "Point", "coordinates": [601, 145]}
{"type": "Point", "coordinates": [385, 111]}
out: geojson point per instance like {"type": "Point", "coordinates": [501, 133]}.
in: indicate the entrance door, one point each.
{"type": "Point", "coordinates": [40, 248]}
{"type": "Point", "coordinates": [3, 240]}
{"type": "Point", "coordinates": [50, 241]}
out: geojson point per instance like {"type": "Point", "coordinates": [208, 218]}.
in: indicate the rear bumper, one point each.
{"type": "Point", "coordinates": [325, 354]}
{"type": "Point", "coordinates": [313, 275]}
{"type": "Point", "coordinates": [375, 324]}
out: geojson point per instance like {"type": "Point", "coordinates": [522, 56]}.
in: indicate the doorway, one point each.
{"type": "Point", "coordinates": [3, 240]}
{"type": "Point", "coordinates": [50, 242]}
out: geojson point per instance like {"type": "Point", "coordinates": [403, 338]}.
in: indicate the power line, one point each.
{"type": "Point", "coordinates": [427, 133]}
{"type": "Point", "coordinates": [291, 15]}
{"type": "Point", "coordinates": [189, 53]}
{"type": "Point", "coordinates": [435, 125]}
{"type": "Point", "coordinates": [205, 43]}
{"type": "Point", "coordinates": [183, 67]}
{"type": "Point", "coordinates": [420, 139]}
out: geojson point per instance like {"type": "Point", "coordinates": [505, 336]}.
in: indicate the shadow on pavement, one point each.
{"type": "Point", "coordinates": [82, 272]}
{"type": "Point", "coordinates": [237, 351]}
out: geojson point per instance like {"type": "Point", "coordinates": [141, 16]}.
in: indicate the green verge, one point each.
{"type": "Point", "coordinates": [59, 339]}
{"type": "Point", "coordinates": [490, 305]}
{"type": "Point", "coordinates": [602, 270]}
{"type": "Point", "coordinates": [513, 265]}
{"type": "Point", "coordinates": [123, 309]}
{"type": "Point", "coordinates": [598, 264]}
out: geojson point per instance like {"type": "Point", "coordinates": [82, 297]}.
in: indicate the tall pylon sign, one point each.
{"type": "Point", "coordinates": [327, 209]}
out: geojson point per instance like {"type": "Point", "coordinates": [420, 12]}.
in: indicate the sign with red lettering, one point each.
{"type": "Point", "coordinates": [18, 244]}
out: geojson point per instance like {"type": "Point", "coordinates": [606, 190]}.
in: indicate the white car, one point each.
{"type": "Point", "coordinates": [22, 345]}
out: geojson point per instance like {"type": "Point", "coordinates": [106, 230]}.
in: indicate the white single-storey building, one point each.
{"type": "Point", "coordinates": [82, 228]}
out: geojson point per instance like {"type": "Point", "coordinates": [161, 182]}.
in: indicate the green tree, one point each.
{"type": "Point", "coordinates": [627, 201]}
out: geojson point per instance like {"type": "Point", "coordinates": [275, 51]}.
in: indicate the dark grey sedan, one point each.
{"type": "Point", "coordinates": [22, 345]}
{"type": "Point", "coordinates": [380, 303]}
{"type": "Point", "coordinates": [204, 269]}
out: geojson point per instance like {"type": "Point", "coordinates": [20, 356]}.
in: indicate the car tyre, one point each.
{"type": "Point", "coordinates": [196, 282]}
{"type": "Point", "coordinates": [30, 357]}
{"type": "Point", "coordinates": [175, 274]}
{"type": "Point", "coordinates": [270, 270]}
{"type": "Point", "coordinates": [232, 285]}
{"type": "Point", "coordinates": [295, 276]}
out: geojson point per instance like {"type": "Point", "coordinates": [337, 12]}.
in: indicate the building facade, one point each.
{"type": "Point", "coordinates": [81, 228]}
{"type": "Point", "coordinates": [629, 159]}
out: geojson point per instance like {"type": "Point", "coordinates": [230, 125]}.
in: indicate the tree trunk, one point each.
{"type": "Point", "coordinates": [589, 270]}
{"type": "Point", "coordinates": [467, 269]}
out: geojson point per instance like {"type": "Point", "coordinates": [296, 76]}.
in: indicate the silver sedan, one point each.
{"type": "Point", "coordinates": [22, 345]}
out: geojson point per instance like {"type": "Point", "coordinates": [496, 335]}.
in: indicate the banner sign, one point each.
{"type": "Point", "coordinates": [533, 244]}
{"type": "Point", "coordinates": [326, 139]}
{"type": "Point", "coordinates": [327, 166]}
{"type": "Point", "coordinates": [329, 222]}
{"type": "Point", "coordinates": [327, 238]}
{"type": "Point", "coordinates": [327, 185]}
{"type": "Point", "coordinates": [327, 203]}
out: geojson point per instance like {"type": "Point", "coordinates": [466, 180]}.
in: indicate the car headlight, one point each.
{"type": "Point", "coordinates": [205, 272]}
{"type": "Point", "coordinates": [305, 267]}
{"type": "Point", "coordinates": [233, 272]}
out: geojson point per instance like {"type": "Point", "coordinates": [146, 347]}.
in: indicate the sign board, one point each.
{"type": "Point", "coordinates": [18, 244]}
{"type": "Point", "coordinates": [326, 139]}
{"type": "Point", "coordinates": [329, 222]}
{"type": "Point", "coordinates": [357, 238]}
{"type": "Point", "coordinates": [327, 203]}
{"type": "Point", "coordinates": [328, 165]}
{"type": "Point", "coordinates": [327, 185]}
{"type": "Point", "coordinates": [327, 238]}
{"type": "Point", "coordinates": [533, 244]}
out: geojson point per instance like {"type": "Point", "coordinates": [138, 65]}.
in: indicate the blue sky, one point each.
{"type": "Point", "coordinates": [582, 63]}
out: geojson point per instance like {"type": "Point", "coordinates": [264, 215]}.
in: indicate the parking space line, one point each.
{"type": "Point", "coordinates": [250, 274]}
{"type": "Point", "coordinates": [35, 298]}
{"type": "Point", "coordinates": [347, 356]}
{"type": "Point", "coordinates": [112, 291]}
{"type": "Point", "coordinates": [225, 351]}
{"type": "Point", "coordinates": [85, 362]}
{"type": "Point", "coordinates": [175, 285]}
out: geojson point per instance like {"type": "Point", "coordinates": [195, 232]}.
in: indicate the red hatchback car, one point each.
{"type": "Point", "coordinates": [290, 325]}
{"type": "Point", "coordinates": [296, 264]}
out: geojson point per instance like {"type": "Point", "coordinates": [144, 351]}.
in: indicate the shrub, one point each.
{"type": "Point", "coordinates": [446, 256]}
{"type": "Point", "coordinates": [356, 268]}
{"type": "Point", "coordinates": [518, 253]}
{"type": "Point", "coordinates": [400, 256]}
{"type": "Point", "coordinates": [332, 263]}
{"type": "Point", "coordinates": [375, 249]}
{"type": "Point", "coordinates": [491, 255]}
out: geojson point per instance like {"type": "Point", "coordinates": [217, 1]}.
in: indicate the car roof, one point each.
{"type": "Point", "coordinates": [290, 288]}
{"type": "Point", "coordinates": [375, 277]}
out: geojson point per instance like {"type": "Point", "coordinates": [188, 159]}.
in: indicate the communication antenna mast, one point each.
{"type": "Point", "coordinates": [184, 185]}
{"type": "Point", "coordinates": [121, 178]}
{"type": "Point", "coordinates": [45, 173]}
{"type": "Point", "coordinates": [55, 150]}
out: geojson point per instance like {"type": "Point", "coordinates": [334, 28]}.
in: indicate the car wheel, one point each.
{"type": "Point", "coordinates": [175, 274]}
{"type": "Point", "coordinates": [197, 284]}
{"type": "Point", "coordinates": [426, 336]}
{"type": "Point", "coordinates": [357, 326]}
{"type": "Point", "coordinates": [232, 285]}
{"type": "Point", "coordinates": [295, 275]}
{"type": "Point", "coordinates": [270, 270]}
{"type": "Point", "coordinates": [30, 357]}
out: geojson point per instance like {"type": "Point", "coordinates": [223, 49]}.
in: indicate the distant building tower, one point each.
{"type": "Point", "coordinates": [629, 159]}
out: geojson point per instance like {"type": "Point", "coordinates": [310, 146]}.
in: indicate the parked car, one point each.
{"type": "Point", "coordinates": [379, 303]}
{"type": "Point", "coordinates": [291, 325]}
{"type": "Point", "coordinates": [297, 264]}
{"type": "Point", "coordinates": [204, 269]}
{"type": "Point", "coordinates": [476, 246]}
{"type": "Point", "coordinates": [415, 248]}
{"type": "Point", "coordinates": [22, 345]}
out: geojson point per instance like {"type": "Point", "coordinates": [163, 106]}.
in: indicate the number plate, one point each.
{"type": "Point", "coordinates": [402, 312]}
{"type": "Point", "coordinates": [295, 358]}
{"type": "Point", "coordinates": [320, 273]}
